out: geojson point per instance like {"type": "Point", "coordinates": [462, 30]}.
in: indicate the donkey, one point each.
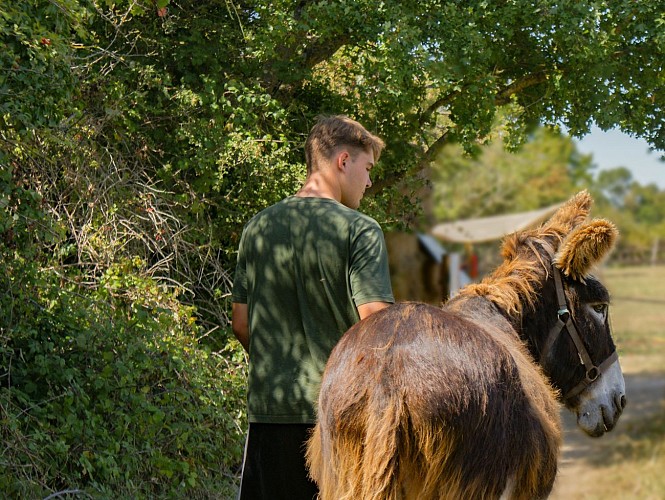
{"type": "Point", "coordinates": [462, 401]}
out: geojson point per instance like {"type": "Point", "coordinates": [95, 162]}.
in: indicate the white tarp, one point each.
{"type": "Point", "coordinates": [491, 228]}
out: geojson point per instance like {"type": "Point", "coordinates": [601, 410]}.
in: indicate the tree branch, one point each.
{"type": "Point", "coordinates": [434, 149]}
{"type": "Point", "coordinates": [441, 101]}
{"type": "Point", "coordinates": [503, 96]}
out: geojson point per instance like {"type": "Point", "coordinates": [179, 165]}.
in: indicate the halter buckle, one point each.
{"type": "Point", "coordinates": [592, 374]}
{"type": "Point", "coordinates": [563, 312]}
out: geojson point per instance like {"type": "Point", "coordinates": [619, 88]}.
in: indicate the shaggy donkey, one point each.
{"type": "Point", "coordinates": [460, 402]}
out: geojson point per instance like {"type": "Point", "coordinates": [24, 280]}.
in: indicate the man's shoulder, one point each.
{"type": "Point", "coordinates": [313, 208]}
{"type": "Point", "coordinates": [268, 212]}
{"type": "Point", "coordinates": [352, 217]}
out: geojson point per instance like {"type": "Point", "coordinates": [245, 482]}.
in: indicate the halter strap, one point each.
{"type": "Point", "coordinates": [586, 381]}
{"type": "Point", "coordinates": [570, 325]}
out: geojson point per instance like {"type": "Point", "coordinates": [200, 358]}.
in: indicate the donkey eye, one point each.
{"type": "Point", "coordinates": [600, 308]}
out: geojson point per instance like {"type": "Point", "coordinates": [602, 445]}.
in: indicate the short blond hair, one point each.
{"type": "Point", "coordinates": [332, 132]}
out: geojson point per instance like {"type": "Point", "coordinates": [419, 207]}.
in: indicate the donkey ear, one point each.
{"type": "Point", "coordinates": [584, 247]}
{"type": "Point", "coordinates": [571, 214]}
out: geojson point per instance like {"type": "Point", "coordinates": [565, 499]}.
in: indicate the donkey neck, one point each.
{"type": "Point", "coordinates": [482, 310]}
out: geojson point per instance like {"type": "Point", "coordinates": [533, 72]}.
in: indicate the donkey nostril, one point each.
{"type": "Point", "coordinates": [623, 402]}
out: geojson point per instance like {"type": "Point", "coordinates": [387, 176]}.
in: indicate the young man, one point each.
{"type": "Point", "coordinates": [309, 267]}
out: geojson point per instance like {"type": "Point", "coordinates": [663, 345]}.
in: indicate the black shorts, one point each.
{"type": "Point", "coordinates": [274, 464]}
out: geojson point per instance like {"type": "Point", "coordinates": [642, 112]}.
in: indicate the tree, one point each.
{"type": "Point", "coordinates": [447, 67]}
{"type": "Point", "coordinates": [214, 99]}
{"type": "Point", "coordinates": [546, 170]}
{"type": "Point", "coordinates": [638, 210]}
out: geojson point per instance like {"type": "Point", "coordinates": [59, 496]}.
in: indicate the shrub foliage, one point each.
{"type": "Point", "coordinates": [106, 386]}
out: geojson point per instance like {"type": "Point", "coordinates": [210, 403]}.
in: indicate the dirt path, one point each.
{"type": "Point", "coordinates": [582, 455]}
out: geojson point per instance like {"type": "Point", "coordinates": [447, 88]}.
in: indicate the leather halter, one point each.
{"type": "Point", "coordinates": [565, 321]}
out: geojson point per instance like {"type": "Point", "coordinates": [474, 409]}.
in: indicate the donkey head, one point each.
{"type": "Point", "coordinates": [545, 289]}
{"type": "Point", "coordinates": [568, 329]}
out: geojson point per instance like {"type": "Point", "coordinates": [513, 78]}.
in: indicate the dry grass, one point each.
{"type": "Point", "coordinates": [637, 459]}
{"type": "Point", "coordinates": [625, 464]}
{"type": "Point", "coordinates": [638, 314]}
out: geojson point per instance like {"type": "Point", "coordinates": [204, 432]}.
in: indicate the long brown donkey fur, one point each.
{"type": "Point", "coordinates": [420, 402]}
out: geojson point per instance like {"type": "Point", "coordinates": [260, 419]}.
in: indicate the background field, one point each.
{"type": "Point", "coordinates": [630, 461]}
{"type": "Point", "coordinates": [638, 314]}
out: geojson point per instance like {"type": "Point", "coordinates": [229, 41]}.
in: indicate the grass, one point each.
{"type": "Point", "coordinates": [638, 315]}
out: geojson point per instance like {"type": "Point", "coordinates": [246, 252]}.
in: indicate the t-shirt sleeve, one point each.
{"type": "Point", "coordinates": [369, 272]}
{"type": "Point", "coordinates": [239, 291]}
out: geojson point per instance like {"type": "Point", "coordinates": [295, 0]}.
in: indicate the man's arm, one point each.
{"type": "Point", "coordinates": [370, 308]}
{"type": "Point", "coordinates": [240, 323]}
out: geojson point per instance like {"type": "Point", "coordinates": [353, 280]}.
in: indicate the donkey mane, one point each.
{"type": "Point", "coordinates": [510, 287]}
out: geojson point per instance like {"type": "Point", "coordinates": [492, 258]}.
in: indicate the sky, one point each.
{"type": "Point", "coordinates": [613, 149]}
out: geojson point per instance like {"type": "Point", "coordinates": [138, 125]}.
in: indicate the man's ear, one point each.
{"type": "Point", "coordinates": [342, 158]}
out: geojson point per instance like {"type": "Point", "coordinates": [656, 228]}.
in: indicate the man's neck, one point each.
{"type": "Point", "coordinates": [317, 186]}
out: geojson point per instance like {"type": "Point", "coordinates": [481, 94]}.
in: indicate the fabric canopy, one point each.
{"type": "Point", "coordinates": [491, 228]}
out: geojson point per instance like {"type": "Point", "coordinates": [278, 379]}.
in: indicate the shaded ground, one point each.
{"type": "Point", "coordinates": [582, 455]}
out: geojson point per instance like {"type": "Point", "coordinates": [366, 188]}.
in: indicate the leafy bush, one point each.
{"type": "Point", "coordinates": [107, 388]}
